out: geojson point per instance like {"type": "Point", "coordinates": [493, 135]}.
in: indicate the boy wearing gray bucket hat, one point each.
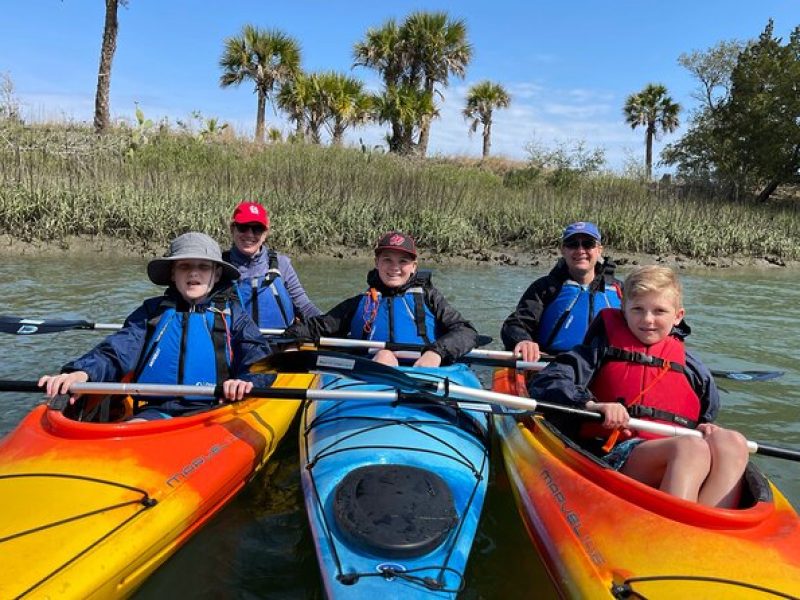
{"type": "Point", "coordinates": [191, 335]}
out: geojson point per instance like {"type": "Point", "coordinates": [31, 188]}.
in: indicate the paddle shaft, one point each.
{"type": "Point", "coordinates": [150, 389]}
{"type": "Point", "coordinates": [367, 370]}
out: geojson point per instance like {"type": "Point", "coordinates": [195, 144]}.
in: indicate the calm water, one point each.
{"type": "Point", "coordinates": [260, 546]}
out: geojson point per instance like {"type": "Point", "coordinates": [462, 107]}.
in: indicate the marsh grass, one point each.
{"type": "Point", "coordinates": [61, 180]}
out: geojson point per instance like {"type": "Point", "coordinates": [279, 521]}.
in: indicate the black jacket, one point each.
{"type": "Point", "coordinates": [458, 337]}
{"type": "Point", "coordinates": [523, 324]}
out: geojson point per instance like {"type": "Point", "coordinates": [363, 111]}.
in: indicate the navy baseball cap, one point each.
{"type": "Point", "coordinates": [581, 228]}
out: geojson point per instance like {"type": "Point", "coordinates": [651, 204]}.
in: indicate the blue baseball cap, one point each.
{"type": "Point", "coordinates": [581, 228]}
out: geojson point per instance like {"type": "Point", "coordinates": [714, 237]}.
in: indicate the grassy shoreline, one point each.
{"type": "Point", "coordinates": [59, 183]}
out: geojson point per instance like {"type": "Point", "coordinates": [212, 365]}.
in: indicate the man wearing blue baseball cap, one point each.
{"type": "Point", "coordinates": [554, 313]}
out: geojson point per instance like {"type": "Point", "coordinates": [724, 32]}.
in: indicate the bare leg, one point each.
{"type": "Point", "coordinates": [385, 357]}
{"type": "Point", "coordinates": [729, 457]}
{"type": "Point", "coordinates": [677, 466]}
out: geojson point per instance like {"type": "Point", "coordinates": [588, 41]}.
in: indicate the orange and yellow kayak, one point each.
{"type": "Point", "coordinates": [89, 510]}
{"type": "Point", "coordinates": [604, 535]}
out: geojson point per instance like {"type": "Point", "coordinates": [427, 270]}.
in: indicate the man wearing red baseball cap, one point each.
{"type": "Point", "coordinates": [401, 306]}
{"type": "Point", "coordinates": [268, 287]}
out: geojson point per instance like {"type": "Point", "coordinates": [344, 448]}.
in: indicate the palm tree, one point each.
{"type": "Point", "coordinates": [101, 101]}
{"type": "Point", "coordinates": [403, 107]}
{"type": "Point", "coordinates": [267, 58]}
{"type": "Point", "coordinates": [292, 99]}
{"type": "Point", "coordinates": [384, 50]}
{"type": "Point", "coordinates": [346, 102]}
{"type": "Point", "coordinates": [413, 59]}
{"type": "Point", "coordinates": [654, 109]}
{"type": "Point", "coordinates": [438, 48]}
{"type": "Point", "coordinates": [482, 100]}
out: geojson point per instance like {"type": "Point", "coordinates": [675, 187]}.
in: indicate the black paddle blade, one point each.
{"type": "Point", "coordinates": [20, 326]}
{"type": "Point", "coordinates": [748, 375]}
{"type": "Point", "coordinates": [483, 340]}
{"type": "Point", "coordinates": [356, 367]}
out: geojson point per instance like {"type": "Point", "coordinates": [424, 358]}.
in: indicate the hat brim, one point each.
{"type": "Point", "coordinates": [583, 233]}
{"type": "Point", "coordinates": [159, 270]}
{"type": "Point", "coordinates": [395, 249]}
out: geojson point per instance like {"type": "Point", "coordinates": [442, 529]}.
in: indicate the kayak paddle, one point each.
{"type": "Point", "coordinates": [371, 371]}
{"type": "Point", "coordinates": [213, 391]}
{"type": "Point", "coordinates": [497, 358]}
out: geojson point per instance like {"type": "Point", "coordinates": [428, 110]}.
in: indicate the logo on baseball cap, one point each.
{"type": "Point", "coordinates": [581, 228]}
{"type": "Point", "coordinates": [250, 212]}
{"type": "Point", "coordinates": [394, 240]}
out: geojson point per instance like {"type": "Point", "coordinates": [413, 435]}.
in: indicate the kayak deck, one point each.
{"type": "Point", "coordinates": [393, 491]}
{"type": "Point", "coordinates": [602, 534]}
{"type": "Point", "coordinates": [89, 509]}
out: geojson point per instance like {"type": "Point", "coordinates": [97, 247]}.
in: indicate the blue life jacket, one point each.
{"type": "Point", "coordinates": [266, 297]}
{"type": "Point", "coordinates": [566, 319]}
{"type": "Point", "coordinates": [404, 318]}
{"type": "Point", "coordinates": [187, 348]}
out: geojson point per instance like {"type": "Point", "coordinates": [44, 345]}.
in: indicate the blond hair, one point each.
{"type": "Point", "coordinates": [652, 278]}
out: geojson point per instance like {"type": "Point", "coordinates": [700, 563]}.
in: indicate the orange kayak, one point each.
{"type": "Point", "coordinates": [604, 535]}
{"type": "Point", "coordinates": [89, 510]}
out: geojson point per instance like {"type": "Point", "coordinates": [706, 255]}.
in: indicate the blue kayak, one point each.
{"type": "Point", "coordinates": [393, 490]}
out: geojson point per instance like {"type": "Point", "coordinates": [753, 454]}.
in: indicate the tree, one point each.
{"type": "Point", "coordinates": [413, 59]}
{"type": "Point", "coordinates": [749, 139]}
{"type": "Point", "coordinates": [439, 46]}
{"type": "Point", "coordinates": [267, 58]}
{"type": "Point", "coordinates": [655, 110]}
{"type": "Point", "coordinates": [482, 100]}
{"type": "Point", "coordinates": [762, 117]}
{"type": "Point", "coordinates": [101, 99]}
{"type": "Point", "coordinates": [347, 104]}
{"type": "Point", "coordinates": [713, 69]}
{"type": "Point", "coordinates": [402, 106]}
{"type": "Point", "coordinates": [703, 155]}
{"type": "Point", "coordinates": [292, 99]}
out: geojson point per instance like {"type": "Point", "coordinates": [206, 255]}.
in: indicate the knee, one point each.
{"type": "Point", "coordinates": [692, 450]}
{"type": "Point", "coordinates": [730, 446]}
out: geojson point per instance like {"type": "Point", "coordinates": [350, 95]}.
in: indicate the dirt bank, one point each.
{"type": "Point", "coordinates": [92, 245]}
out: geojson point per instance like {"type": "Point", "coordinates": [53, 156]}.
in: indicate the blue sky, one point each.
{"type": "Point", "coordinates": [568, 65]}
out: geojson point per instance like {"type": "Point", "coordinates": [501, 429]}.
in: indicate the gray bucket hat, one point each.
{"type": "Point", "coordinates": [189, 246]}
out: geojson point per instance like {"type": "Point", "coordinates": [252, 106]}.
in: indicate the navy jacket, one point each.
{"type": "Point", "coordinates": [120, 352]}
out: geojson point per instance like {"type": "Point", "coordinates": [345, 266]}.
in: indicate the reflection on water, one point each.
{"type": "Point", "coordinates": [260, 546]}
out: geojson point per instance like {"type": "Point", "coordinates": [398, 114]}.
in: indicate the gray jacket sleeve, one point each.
{"type": "Point", "coordinates": [302, 303]}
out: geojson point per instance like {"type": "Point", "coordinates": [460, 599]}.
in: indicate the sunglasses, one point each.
{"type": "Point", "coordinates": [244, 228]}
{"type": "Point", "coordinates": [585, 244]}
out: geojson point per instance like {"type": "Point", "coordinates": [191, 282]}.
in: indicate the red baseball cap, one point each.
{"type": "Point", "coordinates": [250, 212]}
{"type": "Point", "coordinates": [394, 240]}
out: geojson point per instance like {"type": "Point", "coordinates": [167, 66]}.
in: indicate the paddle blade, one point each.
{"type": "Point", "coordinates": [748, 375]}
{"type": "Point", "coordinates": [20, 326]}
{"type": "Point", "coordinates": [352, 366]}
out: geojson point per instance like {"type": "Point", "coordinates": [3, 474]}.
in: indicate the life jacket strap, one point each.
{"type": "Point", "coordinates": [640, 358]}
{"type": "Point", "coordinates": [419, 313]}
{"type": "Point", "coordinates": [221, 338]}
{"type": "Point", "coordinates": [638, 411]}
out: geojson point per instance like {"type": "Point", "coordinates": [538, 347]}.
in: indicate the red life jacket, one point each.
{"type": "Point", "coordinates": [649, 380]}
